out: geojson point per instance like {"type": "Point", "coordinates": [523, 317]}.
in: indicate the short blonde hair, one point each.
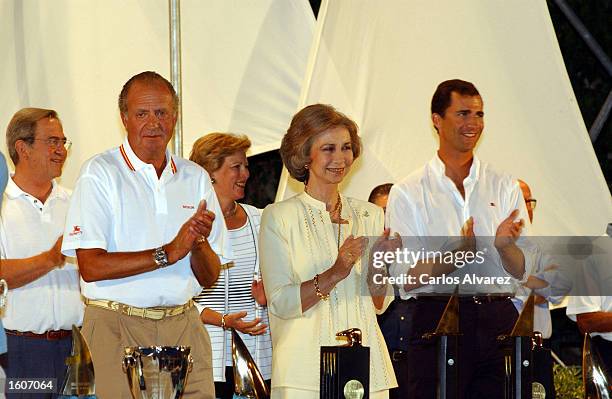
{"type": "Point", "coordinates": [211, 150]}
{"type": "Point", "coordinates": [23, 127]}
{"type": "Point", "coordinates": [305, 126]}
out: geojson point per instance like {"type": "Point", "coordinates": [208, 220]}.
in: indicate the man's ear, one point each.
{"type": "Point", "coordinates": [22, 149]}
{"type": "Point", "coordinates": [123, 119]}
{"type": "Point", "coordinates": [437, 120]}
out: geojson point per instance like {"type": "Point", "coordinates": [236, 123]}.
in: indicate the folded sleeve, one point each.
{"type": "Point", "coordinates": [282, 285]}
{"type": "Point", "coordinates": [89, 218]}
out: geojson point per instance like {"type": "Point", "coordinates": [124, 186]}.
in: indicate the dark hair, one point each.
{"type": "Point", "coordinates": [379, 191]}
{"type": "Point", "coordinates": [23, 127]}
{"type": "Point", "coordinates": [305, 126]}
{"type": "Point", "coordinates": [442, 97]}
{"type": "Point", "coordinates": [145, 77]}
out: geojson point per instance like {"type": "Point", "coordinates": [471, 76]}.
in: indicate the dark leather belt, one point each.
{"type": "Point", "coordinates": [480, 299]}
{"type": "Point", "coordinates": [396, 356]}
{"type": "Point", "coordinates": [49, 335]}
{"type": "Point", "coordinates": [477, 299]}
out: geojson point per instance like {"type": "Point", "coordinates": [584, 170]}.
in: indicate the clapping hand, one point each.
{"type": "Point", "coordinates": [508, 231]}
{"type": "Point", "coordinates": [385, 243]}
{"type": "Point", "coordinates": [351, 250]}
{"type": "Point", "coordinates": [54, 256]}
{"type": "Point", "coordinates": [193, 231]}
{"type": "Point", "coordinates": [468, 238]}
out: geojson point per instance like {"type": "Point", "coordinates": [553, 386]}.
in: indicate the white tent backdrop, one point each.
{"type": "Point", "coordinates": [243, 63]}
{"type": "Point", "coordinates": [380, 62]}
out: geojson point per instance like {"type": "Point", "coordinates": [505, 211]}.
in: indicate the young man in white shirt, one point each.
{"type": "Point", "coordinates": [142, 224]}
{"type": "Point", "coordinates": [44, 299]}
{"type": "Point", "coordinates": [457, 195]}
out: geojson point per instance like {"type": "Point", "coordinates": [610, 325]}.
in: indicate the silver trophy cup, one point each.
{"type": "Point", "coordinates": [157, 372]}
{"type": "Point", "coordinates": [3, 294]}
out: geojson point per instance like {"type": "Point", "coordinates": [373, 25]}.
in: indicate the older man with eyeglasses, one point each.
{"type": "Point", "coordinates": [44, 299]}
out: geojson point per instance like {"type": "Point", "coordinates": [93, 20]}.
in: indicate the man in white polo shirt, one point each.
{"type": "Point", "coordinates": [142, 223]}
{"type": "Point", "coordinates": [44, 300]}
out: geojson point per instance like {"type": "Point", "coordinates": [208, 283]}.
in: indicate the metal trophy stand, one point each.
{"type": "Point", "coordinates": [447, 333]}
{"type": "Point", "coordinates": [248, 380]}
{"type": "Point", "coordinates": [597, 384]}
{"type": "Point", "coordinates": [80, 379]}
{"type": "Point", "coordinates": [518, 357]}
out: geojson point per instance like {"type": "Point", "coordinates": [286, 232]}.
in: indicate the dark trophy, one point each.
{"type": "Point", "coordinates": [345, 370]}
{"type": "Point", "coordinates": [248, 381]}
{"type": "Point", "coordinates": [447, 333]}
{"type": "Point", "coordinates": [79, 381]}
{"type": "Point", "coordinates": [518, 358]}
{"type": "Point", "coordinates": [157, 372]}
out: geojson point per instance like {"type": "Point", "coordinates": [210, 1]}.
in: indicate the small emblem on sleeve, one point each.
{"type": "Point", "coordinates": [76, 230]}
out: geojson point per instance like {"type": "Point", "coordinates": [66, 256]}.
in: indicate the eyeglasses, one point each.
{"type": "Point", "coordinates": [55, 142]}
{"type": "Point", "coordinates": [531, 203]}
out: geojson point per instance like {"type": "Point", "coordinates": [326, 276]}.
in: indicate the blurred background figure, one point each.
{"type": "Point", "coordinates": [380, 195]}
{"type": "Point", "coordinates": [3, 181]}
{"type": "Point", "coordinates": [237, 300]}
{"type": "Point", "coordinates": [394, 322]}
{"type": "Point", "coordinates": [549, 287]}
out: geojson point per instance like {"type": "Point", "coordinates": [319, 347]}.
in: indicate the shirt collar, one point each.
{"type": "Point", "coordinates": [439, 168]}
{"type": "Point", "coordinates": [134, 163]}
{"type": "Point", "coordinates": [13, 191]}
{"type": "Point", "coordinates": [320, 205]}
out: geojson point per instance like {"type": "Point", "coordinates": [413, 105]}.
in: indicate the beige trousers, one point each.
{"type": "Point", "coordinates": [107, 333]}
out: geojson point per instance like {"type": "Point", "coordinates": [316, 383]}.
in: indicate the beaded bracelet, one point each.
{"type": "Point", "coordinates": [322, 296]}
{"type": "Point", "coordinates": [223, 321]}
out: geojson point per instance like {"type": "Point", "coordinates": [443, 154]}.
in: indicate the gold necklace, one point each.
{"type": "Point", "coordinates": [232, 212]}
{"type": "Point", "coordinates": [339, 210]}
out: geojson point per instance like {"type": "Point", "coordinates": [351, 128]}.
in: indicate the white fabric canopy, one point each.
{"type": "Point", "coordinates": [380, 62]}
{"type": "Point", "coordinates": [243, 63]}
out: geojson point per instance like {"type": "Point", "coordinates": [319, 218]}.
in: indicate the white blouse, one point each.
{"type": "Point", "coordinates": [297, 241]}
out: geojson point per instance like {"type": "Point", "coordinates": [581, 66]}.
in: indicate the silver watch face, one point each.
{"type": "Point", "coordinates": [160, 257]}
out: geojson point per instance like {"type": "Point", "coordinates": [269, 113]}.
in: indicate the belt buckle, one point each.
{"type": "Point", "coordinates": [155, 313]}
{"type": "Point", "coordinates": [123, 308]}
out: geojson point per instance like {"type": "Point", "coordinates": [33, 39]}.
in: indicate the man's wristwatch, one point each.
{"type": "Point", "coordinates": [160, 257]}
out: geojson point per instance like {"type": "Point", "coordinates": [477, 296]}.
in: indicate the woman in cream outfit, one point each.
{"type": "Point", "coordinates": [311, 249]}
